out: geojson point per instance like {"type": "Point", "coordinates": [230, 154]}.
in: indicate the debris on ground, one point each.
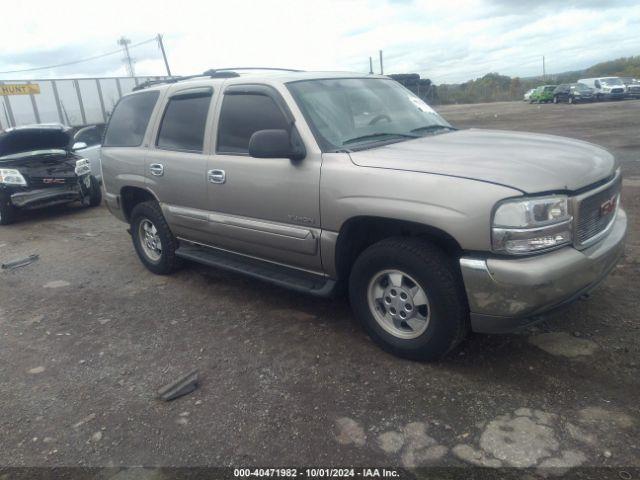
{"type": "Point", "coordinates": [21, 262]}
{"type": "Point", "coordinates": [182, 386]}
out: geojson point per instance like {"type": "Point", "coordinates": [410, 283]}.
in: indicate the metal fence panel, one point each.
{"type": "Point", "coordinates": [75, 102]}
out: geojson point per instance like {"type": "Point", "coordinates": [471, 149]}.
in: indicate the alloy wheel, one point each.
{"type": "Point", "coordinates": [150, 240]}
{"type": "Point", "coordinates": [399, 304]}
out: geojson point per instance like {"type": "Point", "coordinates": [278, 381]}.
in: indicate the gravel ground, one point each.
{"type": "Point", "coordinates": [87, 336]}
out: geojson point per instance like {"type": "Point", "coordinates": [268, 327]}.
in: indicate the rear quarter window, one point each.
{"type": "Point", "coordinates": [129, 120]}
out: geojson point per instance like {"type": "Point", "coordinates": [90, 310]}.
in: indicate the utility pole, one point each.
{"type": "Point", "coordinates": [370, 66]}
{"type": "Point", "coordinates": [381, 66]}
{"type": "Point", "coordinates": [124, 42]}
{"type": "Point", "coordinates": [544, 72]}
{"type": "Point", "coordinates": [164, 54]}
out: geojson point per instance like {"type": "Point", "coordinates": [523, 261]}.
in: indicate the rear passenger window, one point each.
{"type": "Point", "coordinates": [129, 120]}
{"type": "Point", "coordinates": [244, 114]}
{"type": "Point", "coordinates": [184, 121]}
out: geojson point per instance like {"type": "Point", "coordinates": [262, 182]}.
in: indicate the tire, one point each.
{"type": "Point", "coordinates": [440, 319]}
{"type": "Point", "coordinates": [95, 194]}
{"type": "Point", "coordinates": [159, 255]}
{"type": "Point", "coordinates": [7, 212]}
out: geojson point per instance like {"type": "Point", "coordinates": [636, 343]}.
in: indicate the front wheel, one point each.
{"type": "Point", "coordinates": [409, 297]}
{"type": "Point", "coordinates": [7, 212]}
{"type": "Point", "coordinates": [154, 243]}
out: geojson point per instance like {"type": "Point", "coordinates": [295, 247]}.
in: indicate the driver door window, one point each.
{"type": "Point", "coordinates": [241, 116]}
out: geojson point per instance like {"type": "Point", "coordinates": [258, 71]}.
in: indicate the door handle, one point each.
{"type": "Point", "coordinates": [156, 169]}
{"type": "Point", "coordinates": [217, 176]}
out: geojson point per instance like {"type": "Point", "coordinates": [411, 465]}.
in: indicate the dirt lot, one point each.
{"type": "Point", "coordinates": [87, 335]}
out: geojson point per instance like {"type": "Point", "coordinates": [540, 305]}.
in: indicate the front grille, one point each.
{"type": "Point", "coordinates": [44, 182]}
{"type": "Point", "coordinates": [617, 90]}
{"type": "Point", "coordinates": [591, 218]}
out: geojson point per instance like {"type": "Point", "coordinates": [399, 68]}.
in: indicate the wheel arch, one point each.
{"type": "Point", "coordinates": [131, 196]}
{"type": "Point", "coordinates": [360, 232]}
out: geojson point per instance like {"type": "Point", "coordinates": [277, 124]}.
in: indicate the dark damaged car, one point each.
{"type": "Point", "coordinates": [38, 168]}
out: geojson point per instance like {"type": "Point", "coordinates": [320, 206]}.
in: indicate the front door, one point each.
{"type": "Point", "coordinates": [268, 208]}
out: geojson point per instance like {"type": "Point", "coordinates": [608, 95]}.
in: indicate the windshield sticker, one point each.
{"type": "Point", "coordinates": [423, 107]}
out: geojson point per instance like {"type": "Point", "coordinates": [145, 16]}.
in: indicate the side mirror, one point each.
{"type": "Point", "coordinates": [79, 146]}
{"type": "Point", "coordinates": [276, 144]}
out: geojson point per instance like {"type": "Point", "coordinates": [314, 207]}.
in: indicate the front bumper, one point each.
{"type": "Point", "coordinates": [612, 95]}
{"type": "Point", "coordinates": [45, 196]}
{"type": "Point", "coordinates": [505, 294]}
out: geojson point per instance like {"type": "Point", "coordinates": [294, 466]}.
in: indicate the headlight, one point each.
{"type": "Point", "coordinates": [11, 177]}
{"type": "Point", "coordinates": [527, 225]}
{"type": "Point", "coordinates": [82, 167]}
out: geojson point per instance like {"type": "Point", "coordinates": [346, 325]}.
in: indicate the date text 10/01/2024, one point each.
{"type": "Point", "coordinates": [316, 472]}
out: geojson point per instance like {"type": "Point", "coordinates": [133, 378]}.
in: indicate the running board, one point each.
{"type": "Point", "coordinates": [282, 276]}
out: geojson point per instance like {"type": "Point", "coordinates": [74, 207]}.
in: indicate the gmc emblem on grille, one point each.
{"type": "Point", "coordinates": [609, 206]}
{"type": "Point", "coordinates": [52, 181]}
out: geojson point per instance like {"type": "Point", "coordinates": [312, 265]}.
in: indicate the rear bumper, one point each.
{"type": "Point", "coordinates": [505, 294]}
{"type": "Point", "coordinates": [45, 196]}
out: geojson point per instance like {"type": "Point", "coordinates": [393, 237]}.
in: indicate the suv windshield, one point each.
{"type": "Point", "coordinates": [356, 113]}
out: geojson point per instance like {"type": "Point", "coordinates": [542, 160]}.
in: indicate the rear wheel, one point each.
{"type": "Point", "coordinates": [155, 244]}
{"type": "Point", "coordinates": [409, 298]}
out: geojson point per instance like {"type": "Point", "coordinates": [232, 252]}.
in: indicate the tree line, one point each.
{"type": "Point", "coordinates": [494, 87]}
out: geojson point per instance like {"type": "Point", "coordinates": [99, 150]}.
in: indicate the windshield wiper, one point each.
{"type": "Point", "coordinates": [430, 128]}
{"type": "Point", "coordinates": [379, 134]}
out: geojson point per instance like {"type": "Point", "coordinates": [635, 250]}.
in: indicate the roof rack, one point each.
{"type": "Point", "coordinates": [211, 73]}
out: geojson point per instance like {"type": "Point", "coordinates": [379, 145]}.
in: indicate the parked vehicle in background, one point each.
{"type": "Point", "coordinates": [542, 94]}
{"type": "Point", "coordinates": [87, 141]}
{"type": "Point", "coordinates": [326, 182]}
{"type": "Point", "coordinates": [38, 168]}
{"type": "Point", "coordinates": [527, 95]}
{"type": "Point", "coordinates": [573, 93]}
{"type": "Point", "coordinates": [632, 86]}
{"type": "Point", "coordinates": [605, 88]}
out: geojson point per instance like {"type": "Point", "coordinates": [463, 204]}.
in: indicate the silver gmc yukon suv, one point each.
{"type": "Point", "coordinates": [332, 182]}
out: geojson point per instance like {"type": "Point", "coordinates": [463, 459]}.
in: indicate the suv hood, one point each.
{"type": "Point", "coordinates": [34, 138]}
{"type": "Point", "coordinates": [528, 162]}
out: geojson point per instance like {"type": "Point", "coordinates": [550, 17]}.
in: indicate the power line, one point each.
{"type": "Point", "coordinates": [75, 62]}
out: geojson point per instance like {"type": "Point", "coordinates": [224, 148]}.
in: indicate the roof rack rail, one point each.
{"type": "Point", "coordinates": [214, 70]}
{"type": "Point", "coordinates": [211, 73]}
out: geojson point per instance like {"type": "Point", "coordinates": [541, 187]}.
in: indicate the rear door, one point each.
{"type": "Point", "coordinates": [177, 162]}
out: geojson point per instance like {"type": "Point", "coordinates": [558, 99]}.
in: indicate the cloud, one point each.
{"type": "Point", "coordinates": [447, 43]}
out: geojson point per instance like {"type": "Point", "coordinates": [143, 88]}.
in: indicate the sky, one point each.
{"type": "Point", "coordinates": [447, 41]}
